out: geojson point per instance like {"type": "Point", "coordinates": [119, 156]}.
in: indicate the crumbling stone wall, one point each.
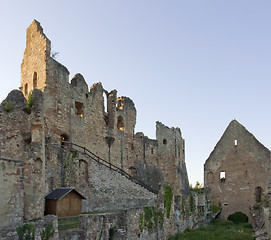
{"type": "Point", "coordinates": [236, 173]}
{"type": "Point", "coordinates": [48, 224]}
{"type": "Point", "coordinates": [11, 192]}
{"type": "Point", "coordinates": [21, 137]}
{"type": "Point", "coordinates": [49, 109]}
{"type": "Point", "coordinates": [76, 113]}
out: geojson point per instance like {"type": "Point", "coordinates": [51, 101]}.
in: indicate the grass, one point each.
{"type": "Point", "coordinates": [218, 230]}
{"type": "Point", "coordinates": [97, 212]}
{"type": "Point", "coordinates": [68, 223]}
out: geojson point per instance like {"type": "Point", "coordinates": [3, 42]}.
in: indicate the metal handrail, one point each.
{"type": "Point", "coordinates": [109, 165]}
{"type": "Point", "coordinates": [11, 160]}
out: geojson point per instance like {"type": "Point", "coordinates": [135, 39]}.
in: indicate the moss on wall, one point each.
{"type": "Point", "coordinates": [168, 197]}
{"type": "Point", "coordinates": [150, 219]}
{"type": "Point", "coordinates": [192, 203]}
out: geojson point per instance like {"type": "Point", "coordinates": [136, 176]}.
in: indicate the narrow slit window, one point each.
{"type": "Point", "coordinates": [235, 142]}
{"type": "Point", "coordinates": [35, 80]}
{"type": "Point", "coordinates": [26, 89]}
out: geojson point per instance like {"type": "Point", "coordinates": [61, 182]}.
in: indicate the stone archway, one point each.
{"type": "Point", "coordinates": [238, 217]}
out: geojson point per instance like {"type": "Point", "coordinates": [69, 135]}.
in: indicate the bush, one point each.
{"type": "Point", "coordinates": [29, 101]}
{"type": "Point", "coordinates": [26, 232]}
{"type": "Point", "coordinates": [238, 217]}
{"type": "Point", "coordinates": [47, 232]}
{"type": "Point", "coordinates": [7, 106]}
{"type": "Point", "coordinates": [168, 197]}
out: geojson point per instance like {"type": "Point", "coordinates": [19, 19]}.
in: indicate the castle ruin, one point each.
{"type": "Point", "coordinates": [61, 133]}
{"type": "Point", "coordinates": [237, 176]}
{"type": "Point", "coordinates": [57, 133]}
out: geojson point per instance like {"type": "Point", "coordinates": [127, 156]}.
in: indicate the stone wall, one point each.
{"type": "Point", "coordinates": [77, 113]}
{"type": "Point", "coordinates": [11, 192]}
{"type": "Point", "coordinates": [237, 171]}
{"type": "Point", "coordinates": [47, 224]}
{"type": "Point", "coordinates": [21, 137]}
{"type": "Point", "coordinates": [38, 123]}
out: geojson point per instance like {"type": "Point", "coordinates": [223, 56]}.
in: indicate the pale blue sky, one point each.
{"type": "Point", "coordinates": [190, 64]}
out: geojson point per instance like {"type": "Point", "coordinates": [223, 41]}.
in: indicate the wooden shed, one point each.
{"type": "Point", "coordinates": [64, 202]}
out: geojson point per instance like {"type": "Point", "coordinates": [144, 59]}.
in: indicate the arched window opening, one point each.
{"type": "Point", "coordinates": [120, 124]}
{"type": "Point", "coordinates": [164, 141]}
{"type": "Point", "coordinates": [25, 89]}
{"type": "Point", "coordinates": [79, 109]}
{"type": "Point", "coordinates": [258, 194]}
{"type": "Point", "coordinates": [35, 80]}
{"type": "Point", "coordinates": [133, 172]}
{"type": "Point", "coordinates": [64, 139]}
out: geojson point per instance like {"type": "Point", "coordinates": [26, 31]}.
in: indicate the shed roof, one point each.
{"type": "Point", "coordinates": [59, 193]}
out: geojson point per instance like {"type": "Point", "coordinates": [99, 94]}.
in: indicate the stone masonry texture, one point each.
{"type": "Point", "coordinates": [39, 122]}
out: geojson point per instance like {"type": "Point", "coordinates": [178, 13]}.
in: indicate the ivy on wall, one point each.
{"type": "Point", "coordinates": [168, 197]}
{"type": "Point", "coordinates": [150, 219]}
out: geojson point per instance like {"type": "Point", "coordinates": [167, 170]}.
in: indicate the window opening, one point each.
{"type": "Point", "coordinates": [164, 141]}
{"type": "Point", "coordinates": [35, 80]}
{"type": "Point", "coordinates": [235, 142]}
{"type": "Point", "coordinates": [151, 150]}
{"type": "Point", "coordinates": [83, 174]}
{"type": "Point", "coordinates": [258, 194]}
{"type": "Point", "coordinates": [64, 139]}
{"type": "Point", "coordinates": [79, 109]}
{"type": "Point", "coordinates": [120, 124]}
{"type": "Point", "coordinates": [105, 101]}
{"type": "Point", "coordinates": [25, 89]}
{"type": "Point", "coordinates": [222, 176]}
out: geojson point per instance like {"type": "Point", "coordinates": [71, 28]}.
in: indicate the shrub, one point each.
{"type": "Point", "coordinates": [29, 101]}
{"type": "Point", "coordinates": [192, 204]}
{"type": "Point", "coordinates": [238, 217]}
{"type": "Point", "coordinates": [47, 232]}
{"type": "Point", "coordinates": [111, 233]}
{"type": "Point", "coordinates": [7, 106]}
{"type": "Point", "coordinates": [215, 208]}
{"type": "Point", "coordinates": [168, 197]}
{"type": "Point", "coordinates": [26, 232]}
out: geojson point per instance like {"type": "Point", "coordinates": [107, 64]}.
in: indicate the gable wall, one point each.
{"type": "Point", "coordinates": [246, 167]}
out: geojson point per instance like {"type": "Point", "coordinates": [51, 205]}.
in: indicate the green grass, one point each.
{"type": "Point", "coordinates": [97, 212]}
{"type": "Point", "coordinates": [218, 230]}
{"type": "Point", "coordinates": [68, 223]}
